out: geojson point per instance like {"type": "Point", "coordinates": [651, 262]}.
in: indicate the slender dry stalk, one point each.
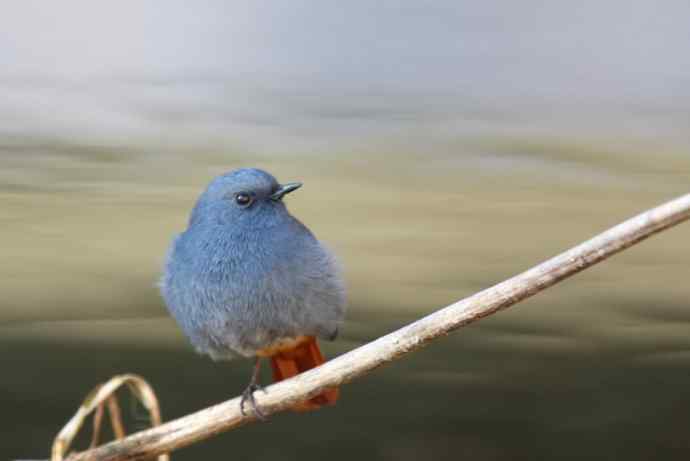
{"type": "Point", "coordinates": [115, 420]}
{"type": "Point", "coordinates": [222, 417]}
{"type": "Point", "coordinates": [97, 424]}
{"type": "Point", "coordinates": [95, 401]}
{"type": "Point", "coordinates": [116, 417]}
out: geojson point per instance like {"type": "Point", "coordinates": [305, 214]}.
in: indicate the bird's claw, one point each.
{"type": "Point", "coordinates": [248, 395]}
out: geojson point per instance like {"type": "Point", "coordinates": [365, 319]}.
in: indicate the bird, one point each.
{"type": "Point", "coordinates": [248, 279]}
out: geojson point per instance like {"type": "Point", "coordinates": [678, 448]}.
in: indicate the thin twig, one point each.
{"type": "Point", "coordinates": [222, 417]}
{"type": "Point", "coordinates": [97, 423]}
{"type": "Point", "coordinates": [95, 401]}
{"type": "Point", "coordinates": [116, 418]}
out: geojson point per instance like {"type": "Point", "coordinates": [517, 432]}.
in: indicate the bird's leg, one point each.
{"type": "Point", "coordinates": [248, 394]}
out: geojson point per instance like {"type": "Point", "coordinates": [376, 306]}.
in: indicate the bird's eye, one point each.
{"type": "Point", "coordinates": [243, 199]}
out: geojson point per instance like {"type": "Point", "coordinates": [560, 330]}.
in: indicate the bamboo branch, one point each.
{"type": "Point", "coordinates": [280, 396]}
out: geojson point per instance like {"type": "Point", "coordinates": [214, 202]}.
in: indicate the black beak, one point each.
{"type": "Point", "coordinates": [285, 189]}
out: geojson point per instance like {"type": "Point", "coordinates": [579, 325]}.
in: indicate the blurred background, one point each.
{"type": "Point", "coordinates": [444, 146]}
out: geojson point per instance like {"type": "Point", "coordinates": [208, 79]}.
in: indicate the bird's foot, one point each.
{"type": "Point", "coordinates": [248, 396]}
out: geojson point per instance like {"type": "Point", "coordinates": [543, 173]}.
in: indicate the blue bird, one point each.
{"type": "Point", "coordinates": [247, 279]}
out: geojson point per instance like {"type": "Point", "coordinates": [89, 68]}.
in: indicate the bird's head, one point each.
{"type": "Point", "coordinates": [249, 197]}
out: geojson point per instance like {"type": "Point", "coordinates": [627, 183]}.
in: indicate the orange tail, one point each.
{"type": "Point", "coordinates": [305, 356]}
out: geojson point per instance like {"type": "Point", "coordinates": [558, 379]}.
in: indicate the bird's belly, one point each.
{"type": "Point", "coordinates": [225, 313]}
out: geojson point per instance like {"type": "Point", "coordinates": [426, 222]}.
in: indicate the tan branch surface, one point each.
{"type": "Point", "coordinates": [224, 416]}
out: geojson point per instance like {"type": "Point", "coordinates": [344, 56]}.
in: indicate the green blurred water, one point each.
{"type": "Point", "coordinates": [595, 368]}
